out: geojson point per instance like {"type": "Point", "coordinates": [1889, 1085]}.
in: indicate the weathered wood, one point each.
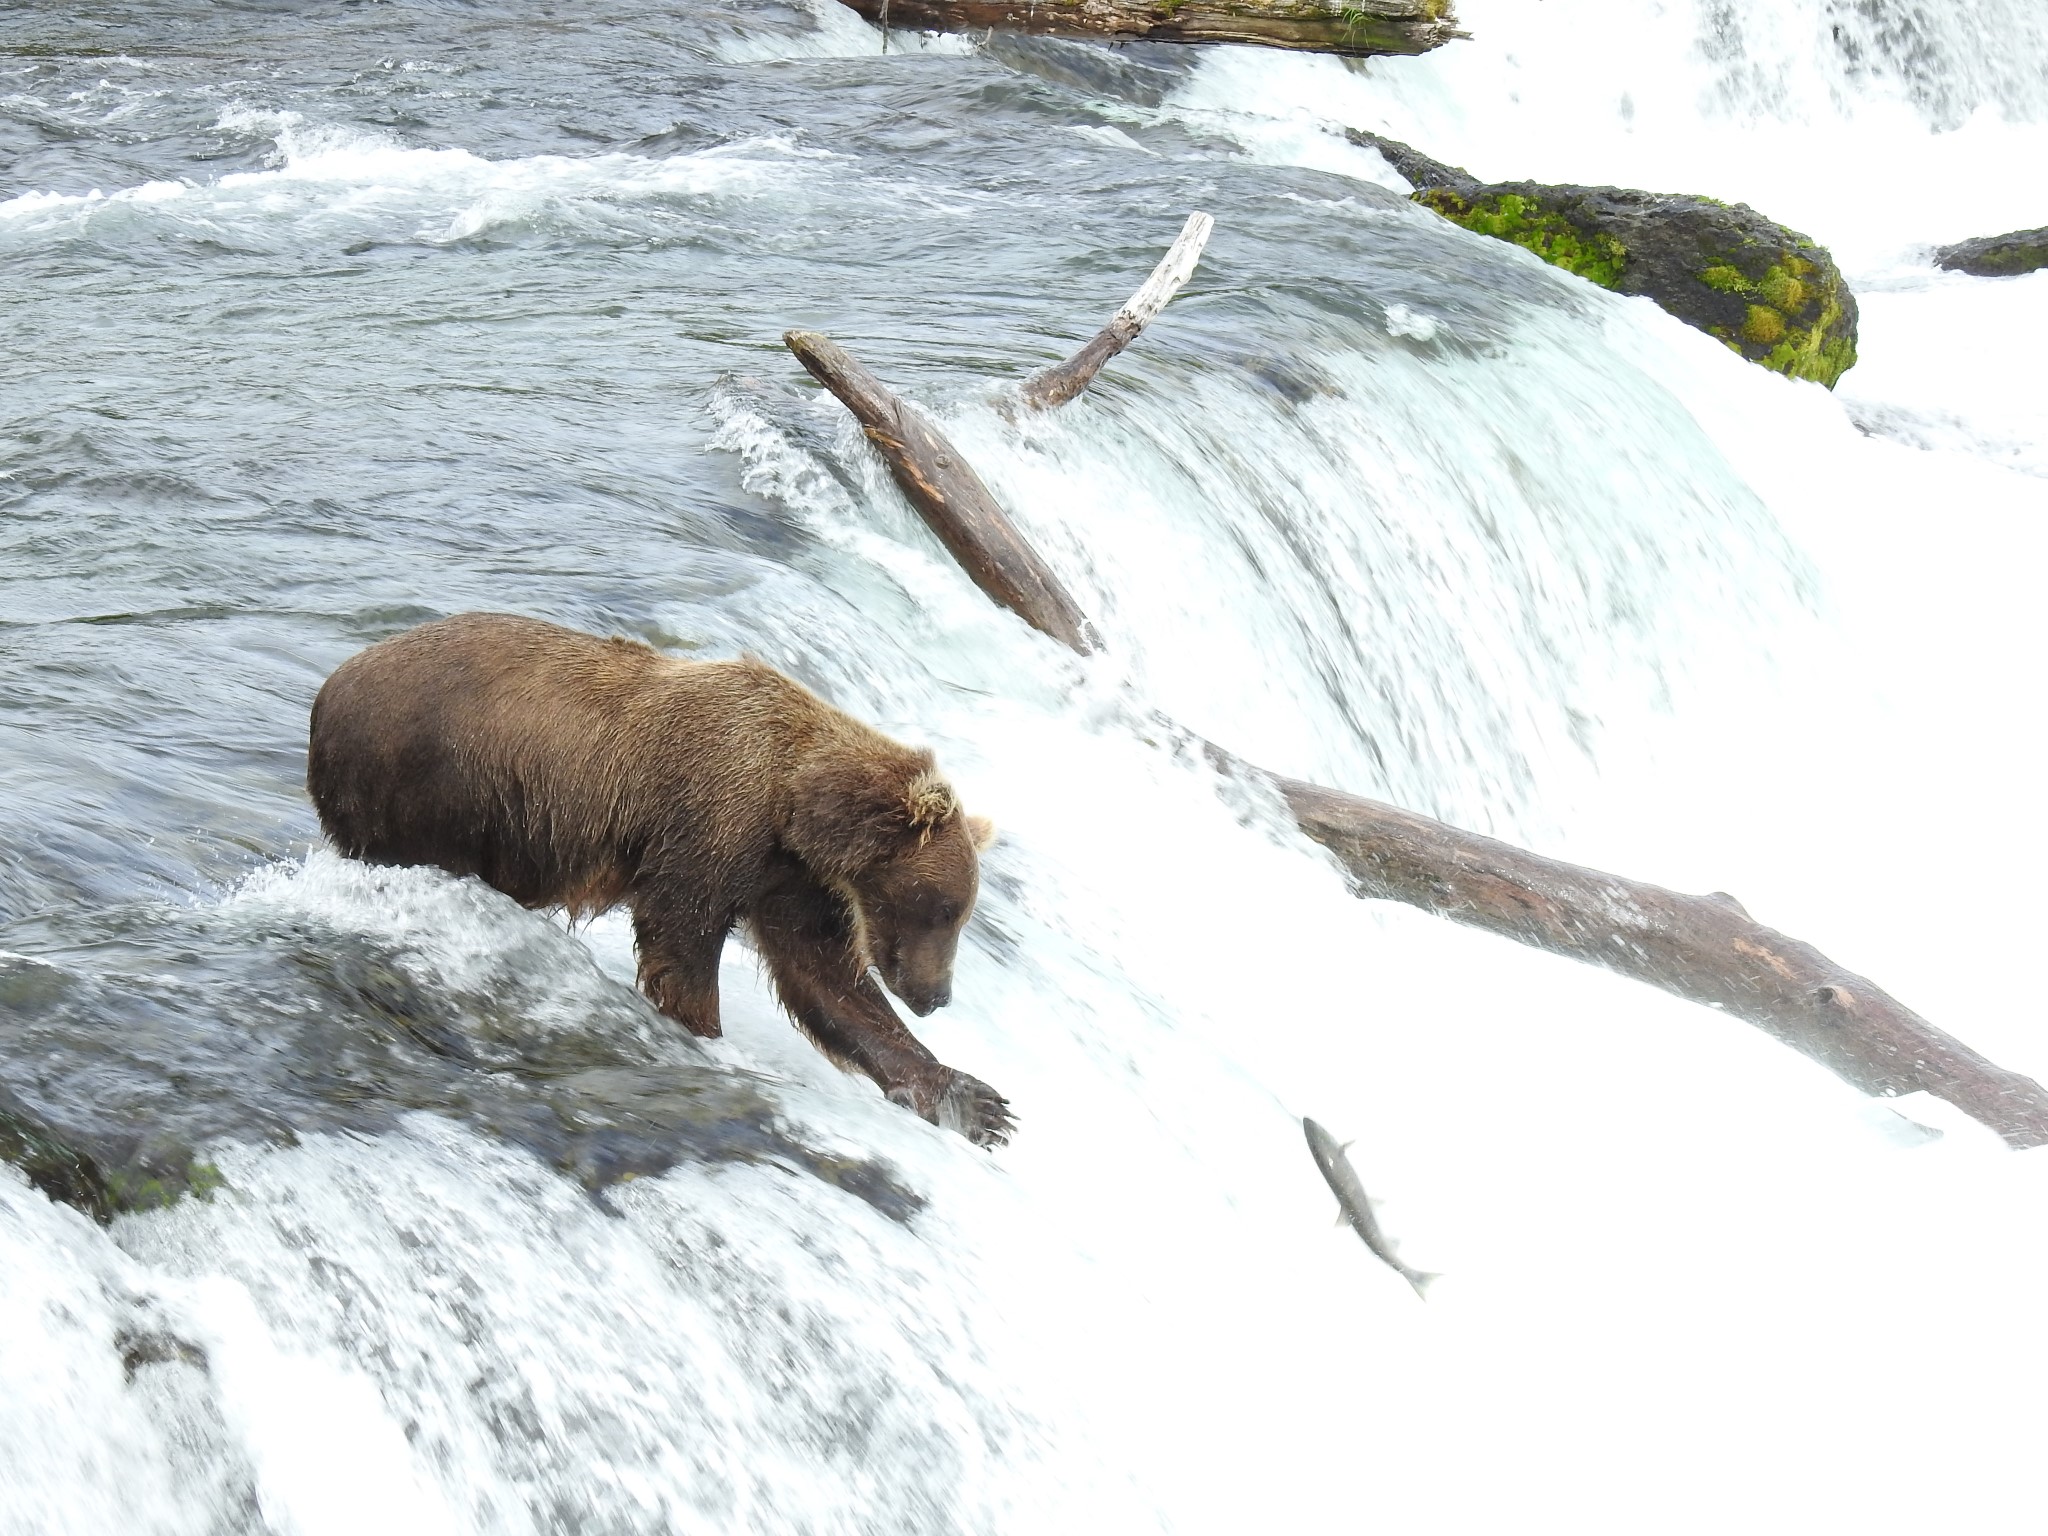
{"type": "Point", "coordinates": [1702, 948]}
{"type": "Point", "coordinates": [1359, 28]}
{"type": "Point", "coordinates": [949, 495]}
{"type": "Point", "coordinates": [1059, 384]}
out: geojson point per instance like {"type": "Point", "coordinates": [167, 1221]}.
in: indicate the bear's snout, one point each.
{"type": "Point", "coordinates": [931, 1000]}
{"type": "Point", "coordinates": [918, 968]}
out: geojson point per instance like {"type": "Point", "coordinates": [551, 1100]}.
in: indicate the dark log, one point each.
{"type": "Point", "coordinates": [1059, 384]}
{"type": "Point", "coordinates": [1702, 948]}
{"type": "Point", "coordinates": [949, 495]}
{"type": "Point", "coordinates": [1359, 28]}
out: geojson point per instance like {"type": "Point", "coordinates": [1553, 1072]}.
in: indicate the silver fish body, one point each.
{"type": "Point", "coordinates": [1354, 1207]}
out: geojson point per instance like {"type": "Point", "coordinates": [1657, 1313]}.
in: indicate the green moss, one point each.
{"type": "Point", "coordinates": [132, 1190]}
{"type": "Point", "coordinates": [1524, 221]}
{"type": "Point", "coordinates": [1763, 325]}
{"type": "Point", "coordinates": [1781, 290]}
{"type": "Point", "coordinates": [1789, 319]}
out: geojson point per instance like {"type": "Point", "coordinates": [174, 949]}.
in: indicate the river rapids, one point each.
{"type": "Point", "coordinates": [324, 320]}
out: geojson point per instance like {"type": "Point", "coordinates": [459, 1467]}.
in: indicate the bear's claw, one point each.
{"type": "Point", "coordinates": [960, 1103]}
{"type": "Point", "coordinates": [976, 1111]}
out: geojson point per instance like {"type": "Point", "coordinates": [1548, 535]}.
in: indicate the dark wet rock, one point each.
{"type": "Point", "coordinates": [1763, 290]}
{"type": "Point", "coordinates": [2024, 250]}
{"type": "Point", "coordinates": [59, 1170]}
{"type": "Point", "coordinates": [1290, 378]}
{"type": "Point", "coordinates": [143, 1347]}
{"type": "Point", "coordinates": [177, 1028]}
{"type": "Point", "coordinates": [1141, 73]}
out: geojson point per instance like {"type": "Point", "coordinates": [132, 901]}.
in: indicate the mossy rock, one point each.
{"type": "Point", "coordinates": [121, 1178]}
{"type": "Point", "coordinates": [2022, 251]}
{"type": "Point", "coordinates": [1763, 290]}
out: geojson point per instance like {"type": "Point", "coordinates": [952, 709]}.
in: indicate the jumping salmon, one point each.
{"type": "Point", "coordinates": [1354, 1207]}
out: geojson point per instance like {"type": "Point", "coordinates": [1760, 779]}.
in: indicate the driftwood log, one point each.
{"type": "Point", "coordinates": [949, 495]}
{"type": "Point", "coordinates": [1706, 949]}
{"type": "Point", "coordinates": [1360, 28]}
{"type": "Point", "coordinates": [1057, 385]}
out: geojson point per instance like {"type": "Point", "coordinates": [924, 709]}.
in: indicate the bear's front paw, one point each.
{"type": "Point", "coordinates": [976, 1111]}
{"type": "Point", "coordinates": [959, 1103]}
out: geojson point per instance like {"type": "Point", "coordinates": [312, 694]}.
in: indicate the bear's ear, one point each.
{"type": "Point", "coordinates": [849, 813]}
{"type": "Point", "coordinates": [983, 832]}
{"type": "Point", "coordinates": [928, 801]}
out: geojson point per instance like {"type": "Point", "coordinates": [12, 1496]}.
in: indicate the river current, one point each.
{"type": "Point", "coordinates": [322, 321]}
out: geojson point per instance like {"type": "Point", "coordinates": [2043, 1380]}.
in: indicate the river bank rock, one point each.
{"type": "Point", "coordinates": [2011, 255]}
{"type": "Point", "coordinates": [1765, 291]}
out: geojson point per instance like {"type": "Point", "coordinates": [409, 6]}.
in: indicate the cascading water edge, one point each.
{"type": "Point", "coordinates": [1375, 501]}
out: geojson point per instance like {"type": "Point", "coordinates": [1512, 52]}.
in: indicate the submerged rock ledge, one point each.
{"type": "Point", "coordinates": [51, 1164]}
{"type": "Point", "coordinates": [1763, 290]}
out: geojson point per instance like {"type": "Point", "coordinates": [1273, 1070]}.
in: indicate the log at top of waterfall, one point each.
{"type": "Point", "coordinates": [1360, 28]}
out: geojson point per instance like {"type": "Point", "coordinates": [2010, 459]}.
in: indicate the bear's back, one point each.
{"type": "Point", "coordinates": [554, 763]}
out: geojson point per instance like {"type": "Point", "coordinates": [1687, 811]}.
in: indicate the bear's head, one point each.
{"type": "Point", "coordinates": [888, 834]}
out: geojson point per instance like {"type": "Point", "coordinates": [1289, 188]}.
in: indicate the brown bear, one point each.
{"type": "Point", "coordinates": [575, 772]}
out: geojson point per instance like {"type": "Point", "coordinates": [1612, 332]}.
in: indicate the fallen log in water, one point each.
{"type": "Point", "coordinates": [1059, 384]}
{"type": "Point", "coordinates": [1360, 28]}
{"type": "Point", "coordinates": [1702, 948]}
{"type": "Point", "coordinates": [949, 495]}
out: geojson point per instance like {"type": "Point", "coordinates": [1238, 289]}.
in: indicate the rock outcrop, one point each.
{"type": "Point", "coordinates": [2024, 250]}
{"type": "Point", "coordinates": [1766, 291]}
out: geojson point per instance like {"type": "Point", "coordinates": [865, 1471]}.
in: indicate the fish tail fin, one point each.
{"type": "Point", "coordinates": [1421, 1280]}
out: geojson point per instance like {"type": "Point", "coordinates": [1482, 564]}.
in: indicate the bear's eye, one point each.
{"type": "Point", "coordinates": [949, 913]}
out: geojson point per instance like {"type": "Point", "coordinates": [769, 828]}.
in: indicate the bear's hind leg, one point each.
{"type": "Point", "coordinates": [679, 967]}
{"type": "Point", "coordinates": [804, 935]}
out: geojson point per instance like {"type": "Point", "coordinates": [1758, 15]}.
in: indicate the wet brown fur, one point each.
{"type": "Point", "coordinates": [574, 772]}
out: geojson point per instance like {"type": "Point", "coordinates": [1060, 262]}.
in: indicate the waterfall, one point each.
{"type": "Point", "coordinates": [342, 324]}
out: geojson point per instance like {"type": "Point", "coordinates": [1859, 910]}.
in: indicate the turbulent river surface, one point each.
{"type": "Point", "coordinates": [324, 320]}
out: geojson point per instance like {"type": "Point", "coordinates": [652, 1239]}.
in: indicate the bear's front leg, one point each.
{"type": "Point", "coordinates": [806, 937]}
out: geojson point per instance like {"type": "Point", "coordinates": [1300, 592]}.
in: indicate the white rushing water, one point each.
{"type": "Point", "coordinates": [1585, 579]}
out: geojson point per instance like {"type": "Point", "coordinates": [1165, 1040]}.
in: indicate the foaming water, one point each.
{"type": "Point", "coordinates": [1878, 129]}
{"type": "Point", "coordinates": [331, 182]}
{"type": "Point", "coordinates": [430, 325]}
{"type": "Point", "coordinates": [1881, 130]}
